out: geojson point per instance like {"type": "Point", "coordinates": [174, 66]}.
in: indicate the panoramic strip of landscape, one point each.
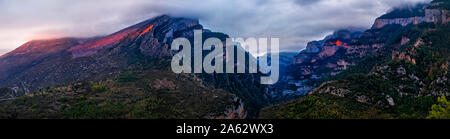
{"type": "Point", "coordinates": [293, 59]}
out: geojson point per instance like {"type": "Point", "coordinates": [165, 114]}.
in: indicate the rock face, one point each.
{"type": "Point", "coordinates": [438, 12]}
{"type": "Point", "coordinates": [434, 12]}
{"type": "Point", "coordinates": [31, 54]}
{"type": "Point", "coordinates": [44, 63]}
{"type": "Point", "coordinates": [401, 21]}
{"type": "Point", "coordinates": [344, 49]}
{"type": "Point", "coordinates": [392, 68]}
{"type": "Point", "coordinates": [440, 16]}
{"type": "Point", "coordinates": [402, 16]}
{"type": "Point", "coordinates": [319, 59]}
{"type": "Point", "coordinates": [327, 47]}
{"type": "Point", "coordinates": [151, 34]}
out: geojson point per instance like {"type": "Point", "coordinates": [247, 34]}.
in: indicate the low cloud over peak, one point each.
{"type": "Point", "coordinates": [293, 21]}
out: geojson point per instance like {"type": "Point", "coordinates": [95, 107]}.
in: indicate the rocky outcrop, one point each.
{"type": "Point", "coordinates": [439, 16]}
{"type": "Point", "coordinates": [317, 50]}
{"type": "Point", "coordinates": [434, 12]}
{"type": "Point", "coordinates": [395, 68]}
{"type": "Point", "coordinates": [319, 59]}
{"type": "Point", "coordinates": [43, 63]}
{"type": "Point", "coordinates": [236, 111]}
{"type": "Point", "coordinates": [151, 36]}
{"type": "Point", "coordinates": [438, 12]}
{"type": "Point", "coordinates": [344, 49]}
{"type": "Point", "coordinates": [405, 15]}
{"type": "Point", "coordinates": [31, 54]}
{"type": "Point", "coordinates": [379, 23]}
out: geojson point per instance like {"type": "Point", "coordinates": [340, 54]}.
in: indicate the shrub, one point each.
{"type": "Point", "coordinates": [127, 77]}
{"type": "Point", "coordinates": [440, 110]}
{"type": "Point", "coordinates": [98, 88]}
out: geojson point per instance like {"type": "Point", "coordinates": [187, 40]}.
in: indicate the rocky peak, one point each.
{"type": "Point", "coordinates": [329, 45]}
{"type": "Point", "coordinates": [31, 52]}
{"type": "Point", "coordinates": [43, 46]}
{"type": "Point", "coordinates": [320, 58]}
{"type": "Point", "coordinates": [403, 16]}
{"type": "Point", "coordinates": [437, 12]}
{"type": "Point", "coordinates": [42, 63]}
{"type": "Point", "coordinates": [141, 47]}
{"type": "Point", "coordinates": [152, 31]}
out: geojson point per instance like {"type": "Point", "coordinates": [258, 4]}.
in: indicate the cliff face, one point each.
{"type": "Point", "coordinates": [327, 59]}
{"type": "Point", "coordinates": [405, 85]}
{"type": "Point", "coordinates": [330, 58]}
{"type": "Point", "coordinates": [379, 23]}
{"type": "Point", "coordinates": [434, 12]}
{"type": "Point", "coordinates": [402, 16]}
{"type": "Point", "coordinates": [440, 16]}
{"type": "Point", "coordinates": [438, 12]}
{"type": "Point", "coordinates": [41, 64]}
{"type": "Point", "coordinates": [394, 71]}
{"type": "Point", "coordinates": [319, 59]}
{"type": "Point", "coordinates": [326, 47]}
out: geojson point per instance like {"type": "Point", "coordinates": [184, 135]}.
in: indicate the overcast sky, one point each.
{"type": "Point", "coordinates": [295, 22]}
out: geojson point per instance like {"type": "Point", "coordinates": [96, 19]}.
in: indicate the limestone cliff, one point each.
{"type": "Point", "coordinates": [401, 21]}
{"type": "Point", "coordinates": [437, 13]}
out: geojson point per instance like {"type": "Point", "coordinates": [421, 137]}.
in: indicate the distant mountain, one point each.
{"type": "Point", "coordinates": [394, 71]}
{"type": "Point", "coordinates": [286, 58]}
{"type": "Point", "coordinates": [320, 58]}
{"type": "Point", "coordinates": [124, 71]}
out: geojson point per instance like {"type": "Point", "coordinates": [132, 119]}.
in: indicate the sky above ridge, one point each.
{"type": "Point", "coordinates": [295, 22]}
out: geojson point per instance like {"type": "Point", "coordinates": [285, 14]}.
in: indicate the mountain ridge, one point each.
{"type": "Point", "coordinates": [131, 53]}
{"type": "Point", "coordinates": [398, 72]}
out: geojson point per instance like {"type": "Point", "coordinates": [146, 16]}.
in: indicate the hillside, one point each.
{"type": "Point", "coordinates": [401, 78]}
{"type": "Point", "coordinates": [148, 94]}
{"type": "Point", "coordinates": [140, 53]}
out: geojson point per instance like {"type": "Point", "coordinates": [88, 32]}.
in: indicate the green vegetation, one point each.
{"type": "Point", "coordinates": [148, 108]}
{"type": "Point", "coordinates": [323, 106]}
{"type": "Point", "coordinates": [127, 77]}
{"type": "Point", "coordinates": [440, 110]}
{"type": "Point", "coordinates": [382, 87]}
{"type": "Point", "coordinates": [99, 88]}
{"type": "Point", "coordinates": [153, 94]}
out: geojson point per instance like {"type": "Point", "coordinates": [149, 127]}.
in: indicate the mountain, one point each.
{"type": "Point", "coordinates": [396, 71]}
{"type": "Point", "coordinates": [437, 12]}
{"type": "Point", "coordinates": [285, 59]}
{"type": "Point", "coordinates": [402, 16]}
{"type": "Point", "coordinates": [122, 75]}
{"type": "Point", "coordinates": [320, 58]}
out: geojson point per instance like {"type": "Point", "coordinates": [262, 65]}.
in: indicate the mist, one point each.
{"type": "Point", "coordinates": [295, 22]}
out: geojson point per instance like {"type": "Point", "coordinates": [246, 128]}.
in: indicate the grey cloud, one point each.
{"type": "Point", "coordinates": [295, 22]}
{"type": "Point", "coordinates": [306, 2]}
